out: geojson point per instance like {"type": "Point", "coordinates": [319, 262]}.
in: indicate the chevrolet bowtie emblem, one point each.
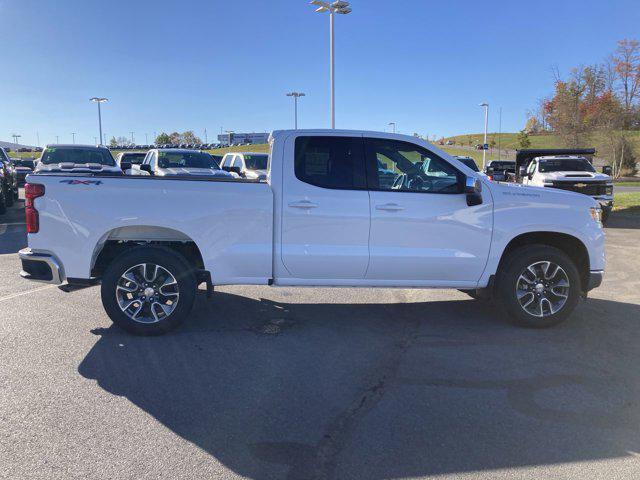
{"type": "Point", "coordinates": [580, 185]}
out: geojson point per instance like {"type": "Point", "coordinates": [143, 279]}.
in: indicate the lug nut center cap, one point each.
{"type": "Point", "coordinates": [539, 288]}
{"type": "Point", "coordinates": [149, 292]}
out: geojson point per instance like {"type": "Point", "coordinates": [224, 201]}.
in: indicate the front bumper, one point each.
{"type": "Point", "coordinates": [41, 267]}
{"type": "Point", "coordinates": [595, 279]}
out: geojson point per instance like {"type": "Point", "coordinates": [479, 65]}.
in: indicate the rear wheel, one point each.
{"type": "Point", "coordinates": [539, 286]}
{"type": "Point", "coordinates": [148, 290]}
{"type": "Point", "coordinates": [9, 198]}
{"type": "Point", "coordinates": [3, 203]}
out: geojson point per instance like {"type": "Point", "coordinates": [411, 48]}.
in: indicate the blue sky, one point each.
{"type": "Point", "coordinates": [210, 64]}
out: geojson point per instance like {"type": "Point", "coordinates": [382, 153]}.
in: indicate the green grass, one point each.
{"type": "Point", "coordinates": [628, 184]}
{"type": "Point", "coordinates": [509, 141]}
{"type": "Point", "coordinates": [627, 202]}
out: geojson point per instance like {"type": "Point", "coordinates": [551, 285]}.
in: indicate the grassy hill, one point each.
{"type": "Point", "coordinates": [509, 141]}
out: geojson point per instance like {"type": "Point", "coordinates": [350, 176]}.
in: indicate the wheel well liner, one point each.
{"type": "Point", "coordinates": [172, 239]}
{"type": "Point", "coordinates": [570, 245]}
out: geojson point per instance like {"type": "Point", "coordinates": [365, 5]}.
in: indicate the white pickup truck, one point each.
{"type": "Point", "coordinates": [321, 218]}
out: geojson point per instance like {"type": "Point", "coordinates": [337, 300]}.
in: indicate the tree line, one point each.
{"type": "Point", "coordinates": [596, 104]}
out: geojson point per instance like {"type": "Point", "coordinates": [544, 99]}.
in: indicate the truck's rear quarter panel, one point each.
{"type": "Point", "coordinates": [230, 222]}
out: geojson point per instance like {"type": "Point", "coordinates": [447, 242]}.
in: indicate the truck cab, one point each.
{"type": "Point", "coordinates": [573, 173]}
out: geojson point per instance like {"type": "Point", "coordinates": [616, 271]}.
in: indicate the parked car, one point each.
{"type": "Point", "coordinates": [77, 159]}
{"type": "Point", "coordinates": [126, 160]}
{"type": "Point", "coordinates": [9, 179]}
{"type": "Point", "coordinates": [179, 162]}
{"type": "Point", "coordinates": [321, 219]}
{"type": "Point", "coordinates": [23, 166]}
{"type": "Point", "coordinates": [500, 170]}
{"type": "Point", "coordinates": [246, 164]}
{"type": "Point", "coordinates": [566, 169]}
{"type": "Point", "coordinates": [469, 162]}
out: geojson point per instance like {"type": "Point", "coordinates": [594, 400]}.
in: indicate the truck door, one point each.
{"type": "Point", "coordinates": [325, 208]}
{"type": "Point", "coordinates": [422, 230]}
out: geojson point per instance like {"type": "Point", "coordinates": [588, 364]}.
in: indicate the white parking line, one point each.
{"type": "Point", "coordinates": [9, 224]}
{"type": "Point", "coordinates": [9, 297]}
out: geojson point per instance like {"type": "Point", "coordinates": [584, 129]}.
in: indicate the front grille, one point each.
{"type": "Point", "coordinates": [587, 188]}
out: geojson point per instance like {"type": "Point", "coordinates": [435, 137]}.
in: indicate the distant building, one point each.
{"type": "Point", "coordinates": [243, 138]}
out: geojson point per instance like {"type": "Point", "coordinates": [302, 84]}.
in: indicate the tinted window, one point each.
{"type": "Point", "coordinates": [470, 162]}
{"type": "Point", "coordinates": [134, 158]}
{"type": "Point", "coordinates": [256, 162]}
{"type": "Point", "coordinates": [566, 165]}
{"type": "Point", "coordinates": [77, 156]}
{"type": "Point", "coordinates": [407, 167]}
{"type": "Point", "coordinates": [330, 162]}
{"type": "Point", "coordinates": [185, 160]}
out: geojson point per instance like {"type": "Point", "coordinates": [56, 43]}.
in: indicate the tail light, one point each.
{"type": "Point", "coordinates": [31, 192]}
{"type": "Point", "coordinates": [490, 177]}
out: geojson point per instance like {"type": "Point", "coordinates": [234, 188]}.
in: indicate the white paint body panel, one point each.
{"type": "Point", "coordinates": [248, 233]}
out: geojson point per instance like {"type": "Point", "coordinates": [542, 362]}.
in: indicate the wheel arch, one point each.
{"type": "Point", "coordinates": [117, 240]}
{"type": "Point", "coordinates": [572, 246]}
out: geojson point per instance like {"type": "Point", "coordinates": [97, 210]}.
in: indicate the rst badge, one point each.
{"type": "Point", "coordinates": [82, 182]}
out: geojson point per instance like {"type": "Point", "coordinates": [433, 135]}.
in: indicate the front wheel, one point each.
{"type": "Point", "coordinates": [539, 286]}
{"type": "Point", "coordinates": [148, 290]}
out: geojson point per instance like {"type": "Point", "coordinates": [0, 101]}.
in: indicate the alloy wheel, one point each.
{"type": "Point", "coordinates": [542, 289]}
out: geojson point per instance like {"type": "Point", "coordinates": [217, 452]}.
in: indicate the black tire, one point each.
{"type": "Point", "coordinates": [9, 198]}
{"type": "Point", "coordinates": [507, 281]}
{"type": "Point", "coordinates": [16, 194]}
{"type": "Point", "coordinates": [173, 263]}
{"type": "Point", "coordinates": [605, 215]}
{"type": "Point", "coordinates": [3, 203]}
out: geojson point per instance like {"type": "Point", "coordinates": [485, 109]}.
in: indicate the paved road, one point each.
{"type": "Point", "coordinates": [316, 384]}
{"type": "Point", "coordinates": [622, 188]}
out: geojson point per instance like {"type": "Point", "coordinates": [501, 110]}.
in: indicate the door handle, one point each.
{"type": "Point", "coordinates": [390, 207]}
{"type": "Point", "coordinates": [305, 204]}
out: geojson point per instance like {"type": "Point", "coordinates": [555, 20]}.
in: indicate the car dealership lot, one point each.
{"type": "Point", "coordinates": [320, 383]}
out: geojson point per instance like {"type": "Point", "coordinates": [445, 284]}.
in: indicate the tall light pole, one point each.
{"type": "Point", "coordinates": [486, 124]}
{"type": "Point", "coordinates": [73, 137]}
{"type": "Point", "coordinates": [295, 96]}
{"type": "Point", "coordinates": [206, 137]}
{"type": "Point", "coordinates": [341, 8]}
{"type": "Point", "coordinates": [99, 100]}
{"type": "Point", "coordinates": [57, 139]}
{"type": "Point", "coordinates": [499, 134]}
{"type": "Point", "coordinates": [132, 140]}
{"type": "Point", "coordinates": [15, 139]}
{"type": "Point", "coordinates": [146, 138]}
{"type": "Point", "coordinates": [394, 126]}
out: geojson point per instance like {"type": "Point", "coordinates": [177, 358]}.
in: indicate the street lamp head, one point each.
{"type": "Point", "coordinates": [484, 104]}
{"type": "Point", "coordinates": [344, 11]}
{"type": "Point", "coordinates": [98, 99]}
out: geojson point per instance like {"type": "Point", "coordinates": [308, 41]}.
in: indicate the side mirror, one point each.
{"type": "Point", "coordinates": [473, 190]}
{"type": "Point", "coordinates": [489, 171]}
{"type": "Point", "coordinates": [522, 171]}
{"type": "Point", "coordinates": [125, 166]}
{"type": "Point", "coordinates": [607, 170]}
{"type": "Point", "coordinates": [145, 167]}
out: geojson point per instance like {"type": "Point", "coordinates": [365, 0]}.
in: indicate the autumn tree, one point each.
{"type": "Point", "coordinates": [523, 139]}
{"type": "Point", "coordinates": [626, 62]}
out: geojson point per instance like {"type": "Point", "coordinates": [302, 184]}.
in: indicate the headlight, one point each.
{"type": "Point", "coordinates": [596, 214]}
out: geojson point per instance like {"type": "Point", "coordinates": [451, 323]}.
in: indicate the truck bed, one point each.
{"type": "Point", "coordinates": [230, 221]}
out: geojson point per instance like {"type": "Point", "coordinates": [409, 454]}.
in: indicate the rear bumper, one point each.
{"type": "Point", "coordinates": [595, 279]}
{"type": "Point", "coordinates": [41, 267]}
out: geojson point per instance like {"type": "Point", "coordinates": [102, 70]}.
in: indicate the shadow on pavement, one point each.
{"type": "Point", "coordinates": [624, 219]}
{"type": "Point", "coordinates": [306, 391]}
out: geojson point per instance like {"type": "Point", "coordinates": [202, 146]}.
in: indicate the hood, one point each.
{"type": "Point", "coordinates": [255, 173]}
{"type": "Point", "coordinates": [196, 172]}
{"type": "Point", "coordinates": [76, 168]}
{"type": "Point", "coordinates": [576, 176]}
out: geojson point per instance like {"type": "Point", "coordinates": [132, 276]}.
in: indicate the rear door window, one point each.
{"type": "Point", "coordinates": [331, 162]}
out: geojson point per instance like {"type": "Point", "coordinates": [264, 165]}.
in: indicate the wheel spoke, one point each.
{"type": "Point", "coordinates": [542, 289]}
{"type": "Point", "coordinates": [147, 293]}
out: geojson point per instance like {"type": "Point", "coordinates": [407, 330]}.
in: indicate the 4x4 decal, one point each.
{"type": "Point", "coordinates": [82, 182]}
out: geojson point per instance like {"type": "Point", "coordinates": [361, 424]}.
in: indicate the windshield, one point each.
{"type": "Point", "coordinates": [566, 165]}
{"type": "Point", "coordinates": [186, 160]}
{"type": "Point", "coordinates": [133, 158]}
{"type": "Point", "coordinates": [25, 163]}
{"type": "Point", "coordinates": [256, 162]}
{"type": "Point", "coordinates": [469, 162]}
{"type": "Point", "coordinates": [101, 156]}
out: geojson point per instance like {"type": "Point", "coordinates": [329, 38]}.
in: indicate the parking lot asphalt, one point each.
{"type": "Point", "coordinates": [285, 383]}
